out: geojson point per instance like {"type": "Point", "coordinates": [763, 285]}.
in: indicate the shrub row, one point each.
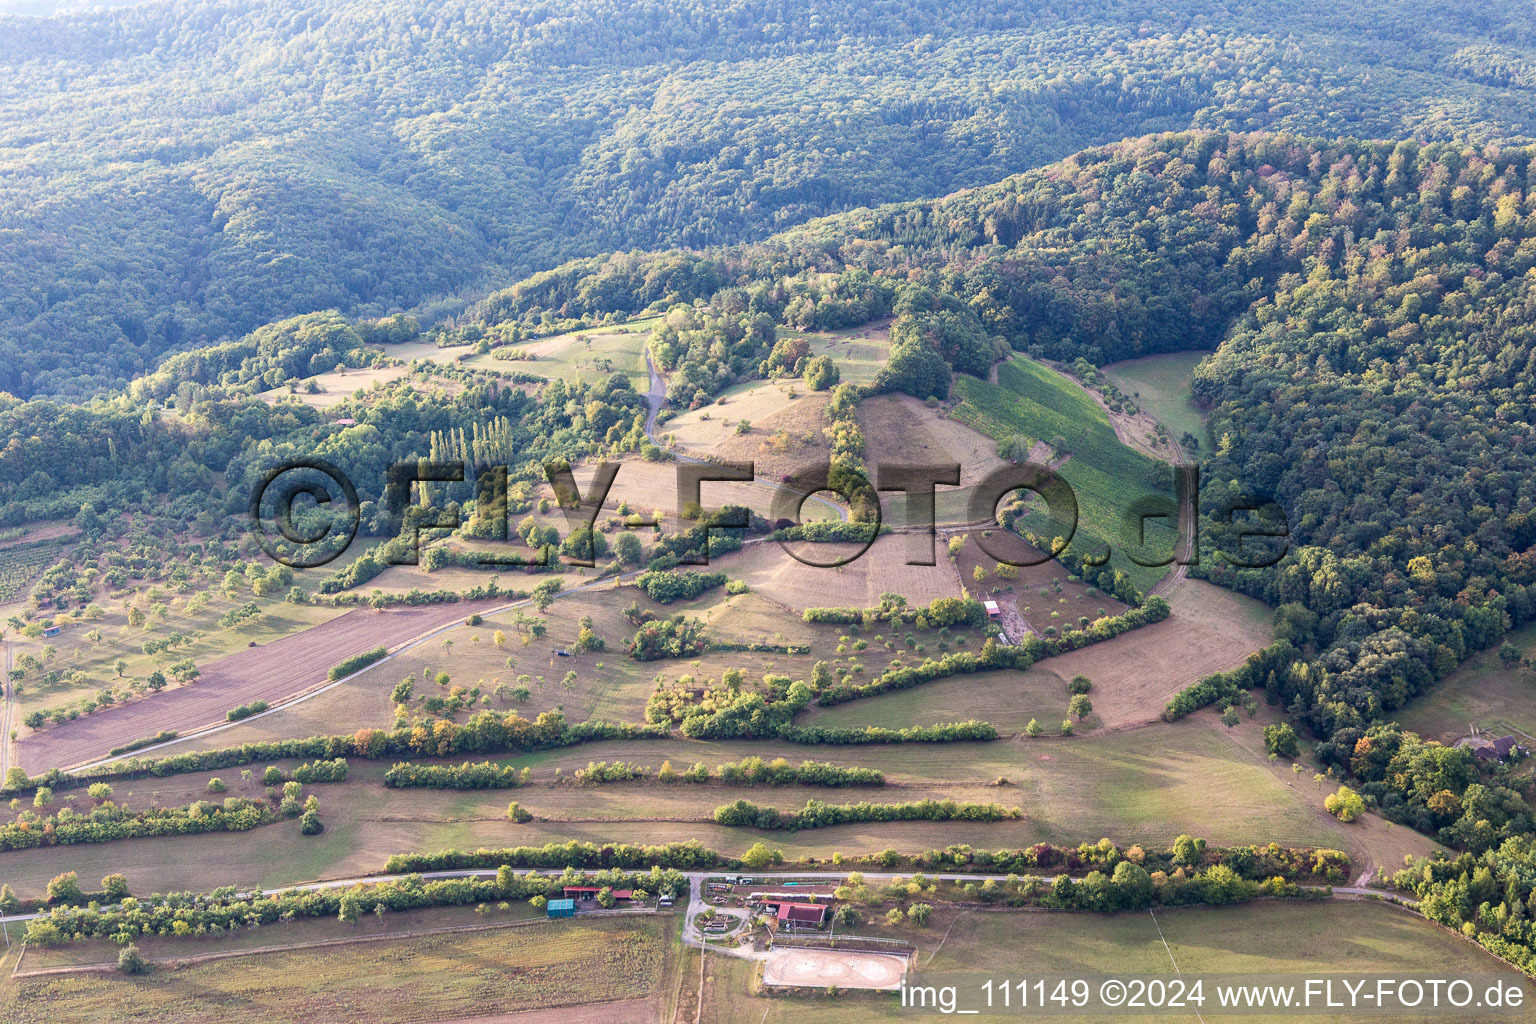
{"type": "Point", "coordinates": [815, 814]}
{"type": "Point", "coordinates": [754, 771]}
{"type": "Point", "coordinates": [469, 775]}
{"type": "Point", "coordinates": [942, 732]}
{"type": "Point", "coordinates": [486, 732]}
{"type": "Point", "coordinates": [226, 911]}
{"type": "Point", "coordinates": [942, 611]}
{"type": "Point", "coordinates": [255, 707]}
{"type": "Point", "coordinates": [163, 736]}
{"type": "Point", "coordinates": [1294, 864]}
{"type": "Point", "coordinates": [831, 532]}
{"type": "Point", "coordinates": [357, 662]}
{"type": "Point", "coordinates": [106, 824]}
{"type": "Point", "coordinates": [334, 770]}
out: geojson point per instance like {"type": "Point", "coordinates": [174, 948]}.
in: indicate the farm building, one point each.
{"type": "Point", "coordinates": [561, 908]}
{"type": "Point", "coordinates": [590, 892]}
{"type": "Point", "coordinates": [52, 630]}
{"type": "Point", "coordinates": [1499, 750]}
{"type": "Point", "coordinates": [801, 915]}
{"type": "Point", "coordinates": [993, 611]}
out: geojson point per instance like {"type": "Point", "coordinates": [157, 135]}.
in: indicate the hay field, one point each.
{"type": "Point", "coordinates": [859, 352]}
{"type": "Point", "coordinates": [1160, 385]}
{"type": "Point", "coordinates": [770, 571]}
{"type": "Point", "coordinates": [430, 977]}
{"type": "Point", "coordinates": [785, 434]}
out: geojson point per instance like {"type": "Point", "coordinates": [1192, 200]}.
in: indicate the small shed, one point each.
{"type": "Point", "coordinates": [993, 611]}
{"type": "Point", "coordinates": [561, 908]}
{"type": "Point", "coordinates": [52, 630]}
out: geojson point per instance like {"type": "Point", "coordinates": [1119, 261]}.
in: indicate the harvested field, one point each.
{"type": "Point", "coordinates": [494, 973]}
{"type": "Point", "coordinates": [773, 573]}
{"type": "Point", "coordinates": [271, 673]}
{"type": "Point", "coordinates": [818, 968]}
{"type": "Point", "coordinates": [900, 429]}
{"type": "Point", "coordinates": [786, 434]}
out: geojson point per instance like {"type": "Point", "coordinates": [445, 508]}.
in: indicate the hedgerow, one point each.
{"type": "Point", "coordinates": [815, 814]}
{"type": "Point", "coordinates": [356, 662]}
{"type": "Point", "coordinates": [469, 775]}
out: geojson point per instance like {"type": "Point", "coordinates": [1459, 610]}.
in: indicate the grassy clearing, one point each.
{"type": "Point", "coordinates": [431, 977]}
{"type": "Point", "coordinates": [590, 356]}
{"type": "Point", "coordinates": [1482, 693]}
{"type": "Point", "coordinates": [1040, 404]}
{"type": "Point", "coordinates": [1160, 385]}
{"type": "Point", "coordinates": [1257, 938]}
{"type": "Point", "coordinates": [860, 352]}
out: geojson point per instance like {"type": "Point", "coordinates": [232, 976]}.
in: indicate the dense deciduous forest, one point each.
{"type": "Point", "coordinates": [173, 175]}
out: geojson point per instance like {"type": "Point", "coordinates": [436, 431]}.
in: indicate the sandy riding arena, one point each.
{"type": "Point", "coordinates": [818, 968]}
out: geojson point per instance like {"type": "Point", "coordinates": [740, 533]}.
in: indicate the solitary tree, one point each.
{"type": "Point", "coordinates": [129, 961]}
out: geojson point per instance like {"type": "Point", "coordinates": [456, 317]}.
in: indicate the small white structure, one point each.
{"type": "Point", "coordinates": [993, 612]}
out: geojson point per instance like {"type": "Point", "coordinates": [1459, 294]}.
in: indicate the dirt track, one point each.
{"type": "Point", "coordinates": [271, 673]}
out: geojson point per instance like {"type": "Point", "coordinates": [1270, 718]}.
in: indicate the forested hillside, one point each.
{"type": "Point", "coordinates": [177, 174]}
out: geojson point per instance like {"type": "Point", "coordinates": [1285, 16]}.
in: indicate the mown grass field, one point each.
{"type": "Point", "coordinates": [1161, 385]}
{"type": "Point", "coordinates": [590, 356]}
{"type": "Point", "coordinates": [296, 932]}
{"type": "Point", "coordinates": [1482, 693]}
{"type": "Point", "coordinates": [431, 977]}
{"type": "Point", "coordinates": [1320, 938]}
{"type": "Point", "coordinates": [1040, 404]}
{"type": "Point", "coordinates": [860, 352]}
{"type": "Point", "coordinates": [1144, 785]}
